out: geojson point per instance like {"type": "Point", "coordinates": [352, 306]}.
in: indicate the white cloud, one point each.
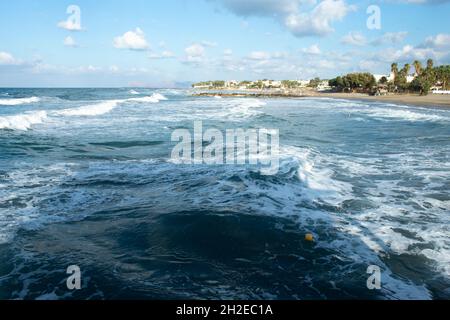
{"type": "Point", "coordinates": [294, 14]}
{"type": "Point", "coordinates": [440, 41]}
{"type": "Point", "coordinates": [319, 20]}
{"type": "Point", "coordinates": [210, 44]}
{"type": "Point", "coordinates": [195, 53]}
{"type": "Point", "coordinates": [259, 55]}
{"type": "Point", "coordinates": [8, 59]}
{"type": "Point", "coordinates": [114, 69]}
{"type": "Point", "coordinates": [166, 54]}
{"type": "Point", "coordinates": [70, 42]}
{"type": "Point", "coordinates": [408, 53]}
{"type": "Point", "coordinates": [354, 38]}
{"type": "Point", "coordinates": [228, 52]}
{"type": "Point", "coordinates": [195, 50]}
{"type": "Point", "coordinates": [132, 40]}
{"type": "Point", "coordinates": [312, 50]}
{"type": "Point", "coordinates": [69, 25]}
{"type": "Point", "coordinates": [92, 68]}
{"type": "Point", "coordinates": [390, 38]}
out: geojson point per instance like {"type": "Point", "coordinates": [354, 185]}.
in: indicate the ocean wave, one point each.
{"type": "Point", "coordinates": [133, 92]}
{"type": "Point", "coordinates": [90, 110]}
{"type": "Point", "coordinates": [154, 98]}
{"type": "Point", "coordinates": [22, 121]}
{"type": "Point", "coordinates": [408, 115]}
{"type": "Point", "coordinates": [390, 112]}
{"type": "Point", "coordinates": [18, 101]}
{"type": "Point", "coordinates": [107, 106]}
{"type": "Point", "coordinates": [301, 189]}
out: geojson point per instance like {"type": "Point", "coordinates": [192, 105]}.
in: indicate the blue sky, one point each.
{"type": "Point", "coordinates": [172, 42]}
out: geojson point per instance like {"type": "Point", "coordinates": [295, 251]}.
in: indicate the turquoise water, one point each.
{"type": "Point", "coordinates": [86, 179]}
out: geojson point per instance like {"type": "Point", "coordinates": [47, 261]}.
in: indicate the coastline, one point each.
{"type": "Point", "coordinates": [431, 100]}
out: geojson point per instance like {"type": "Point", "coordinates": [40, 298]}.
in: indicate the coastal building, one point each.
{"type": "Point", "coordinates": [231, 84]}
{"type": "Point", "coordinates": [271, 84]}
{"type": "Point", "coordinates": [303, 83]}
{"type": "Point", "coordinates": [323, 86]}
{"type": "Point", "coordinates": [391, 77]}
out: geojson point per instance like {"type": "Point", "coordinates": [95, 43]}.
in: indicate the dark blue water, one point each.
{"type": "Point", "coordinates": [86, 179]}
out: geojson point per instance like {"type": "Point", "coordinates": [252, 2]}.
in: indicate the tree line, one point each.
{"type": "Point", "coordinates": [424, 79]}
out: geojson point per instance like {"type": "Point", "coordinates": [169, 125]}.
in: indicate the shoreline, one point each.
{"type": "Point", "coordinates": [431, 100]}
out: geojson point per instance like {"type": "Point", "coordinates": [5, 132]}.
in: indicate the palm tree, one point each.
{"type": "Point", "coordinates": [418, 67]}
{"type": "Point", "coordinates": [394, 68]}
{"type": "Point", "coordinates": [407, 68]}
{"type": "Point", "coordinates": [430, 64]}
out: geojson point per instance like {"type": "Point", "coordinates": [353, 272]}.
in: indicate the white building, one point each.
{"type": "Point", "coordinates": [323, 86]}
{"type": "Point", "coordinates": [303, 83]}
{"type": "Point", "coordinates": [231, 84]}
{"type": "Point", "coordinates": [389, 77]}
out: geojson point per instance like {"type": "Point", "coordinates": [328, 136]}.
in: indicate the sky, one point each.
{"type": "Point", "coordinates": [172, 43]}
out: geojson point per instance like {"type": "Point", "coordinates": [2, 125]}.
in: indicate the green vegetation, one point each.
{"type": "Point", "coordinates": [289, 84]}
{"type": "Point", "coordinates": [425, 79]}
{"type": "Point", "coordinates": [360, 82]}
{"type": "Point", "coordinates": [256, 85]}
{"type": "Point", "coordinates": [210, 84]}
{"type": "Point", "coordinates": [429, 77]}
{"type": "Point", "coordinates": [314, 83]}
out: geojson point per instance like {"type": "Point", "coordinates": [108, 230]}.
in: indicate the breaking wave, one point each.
{"type": "Point", "coordinates": [18, 101]}
{"type": "Point", "coordinates": [26, 120]}
{"type": "Point", "coordinates": [90, 110]}
{"type": "Point", "coordinates": [22, 121]}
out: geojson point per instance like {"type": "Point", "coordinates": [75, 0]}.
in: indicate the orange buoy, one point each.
{"type": "Point", "coordinates": [309, 237]}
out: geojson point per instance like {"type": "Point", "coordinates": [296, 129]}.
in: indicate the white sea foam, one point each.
{"type": "Point", "coordinates": [22, 121]}
{"type": "Point", "coordinates": [243, 108]}
{"type": "Point", "coordinates": [408, 115]}
{"type": "Point", "coordinates": [390, 112]}
{"type": "Point", "coordinates": [91, 110]}
{"type": "Point", "coordinates": [26, 120]}
{"type": "Point", "coordinates": [18, 101]}
{"type": "Point", "coordinates": [154, 98]}
{"type": "Point", "coordinates": [133, 92]}
{"type": "Point", "coordinates": [107, 106]}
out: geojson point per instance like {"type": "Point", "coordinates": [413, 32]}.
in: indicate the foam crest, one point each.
{"type": "Point", "coordinates": [22, 121]}
{"type": "Point", "coordinates": [91, 110]}
{"type": "Point", "coordinates": [154, 98]}
{"type": "Point", "coordinates": [18, 101]}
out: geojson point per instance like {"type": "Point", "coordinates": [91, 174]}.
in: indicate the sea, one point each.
{"type": "Point", "coordinates": [87, 180]}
